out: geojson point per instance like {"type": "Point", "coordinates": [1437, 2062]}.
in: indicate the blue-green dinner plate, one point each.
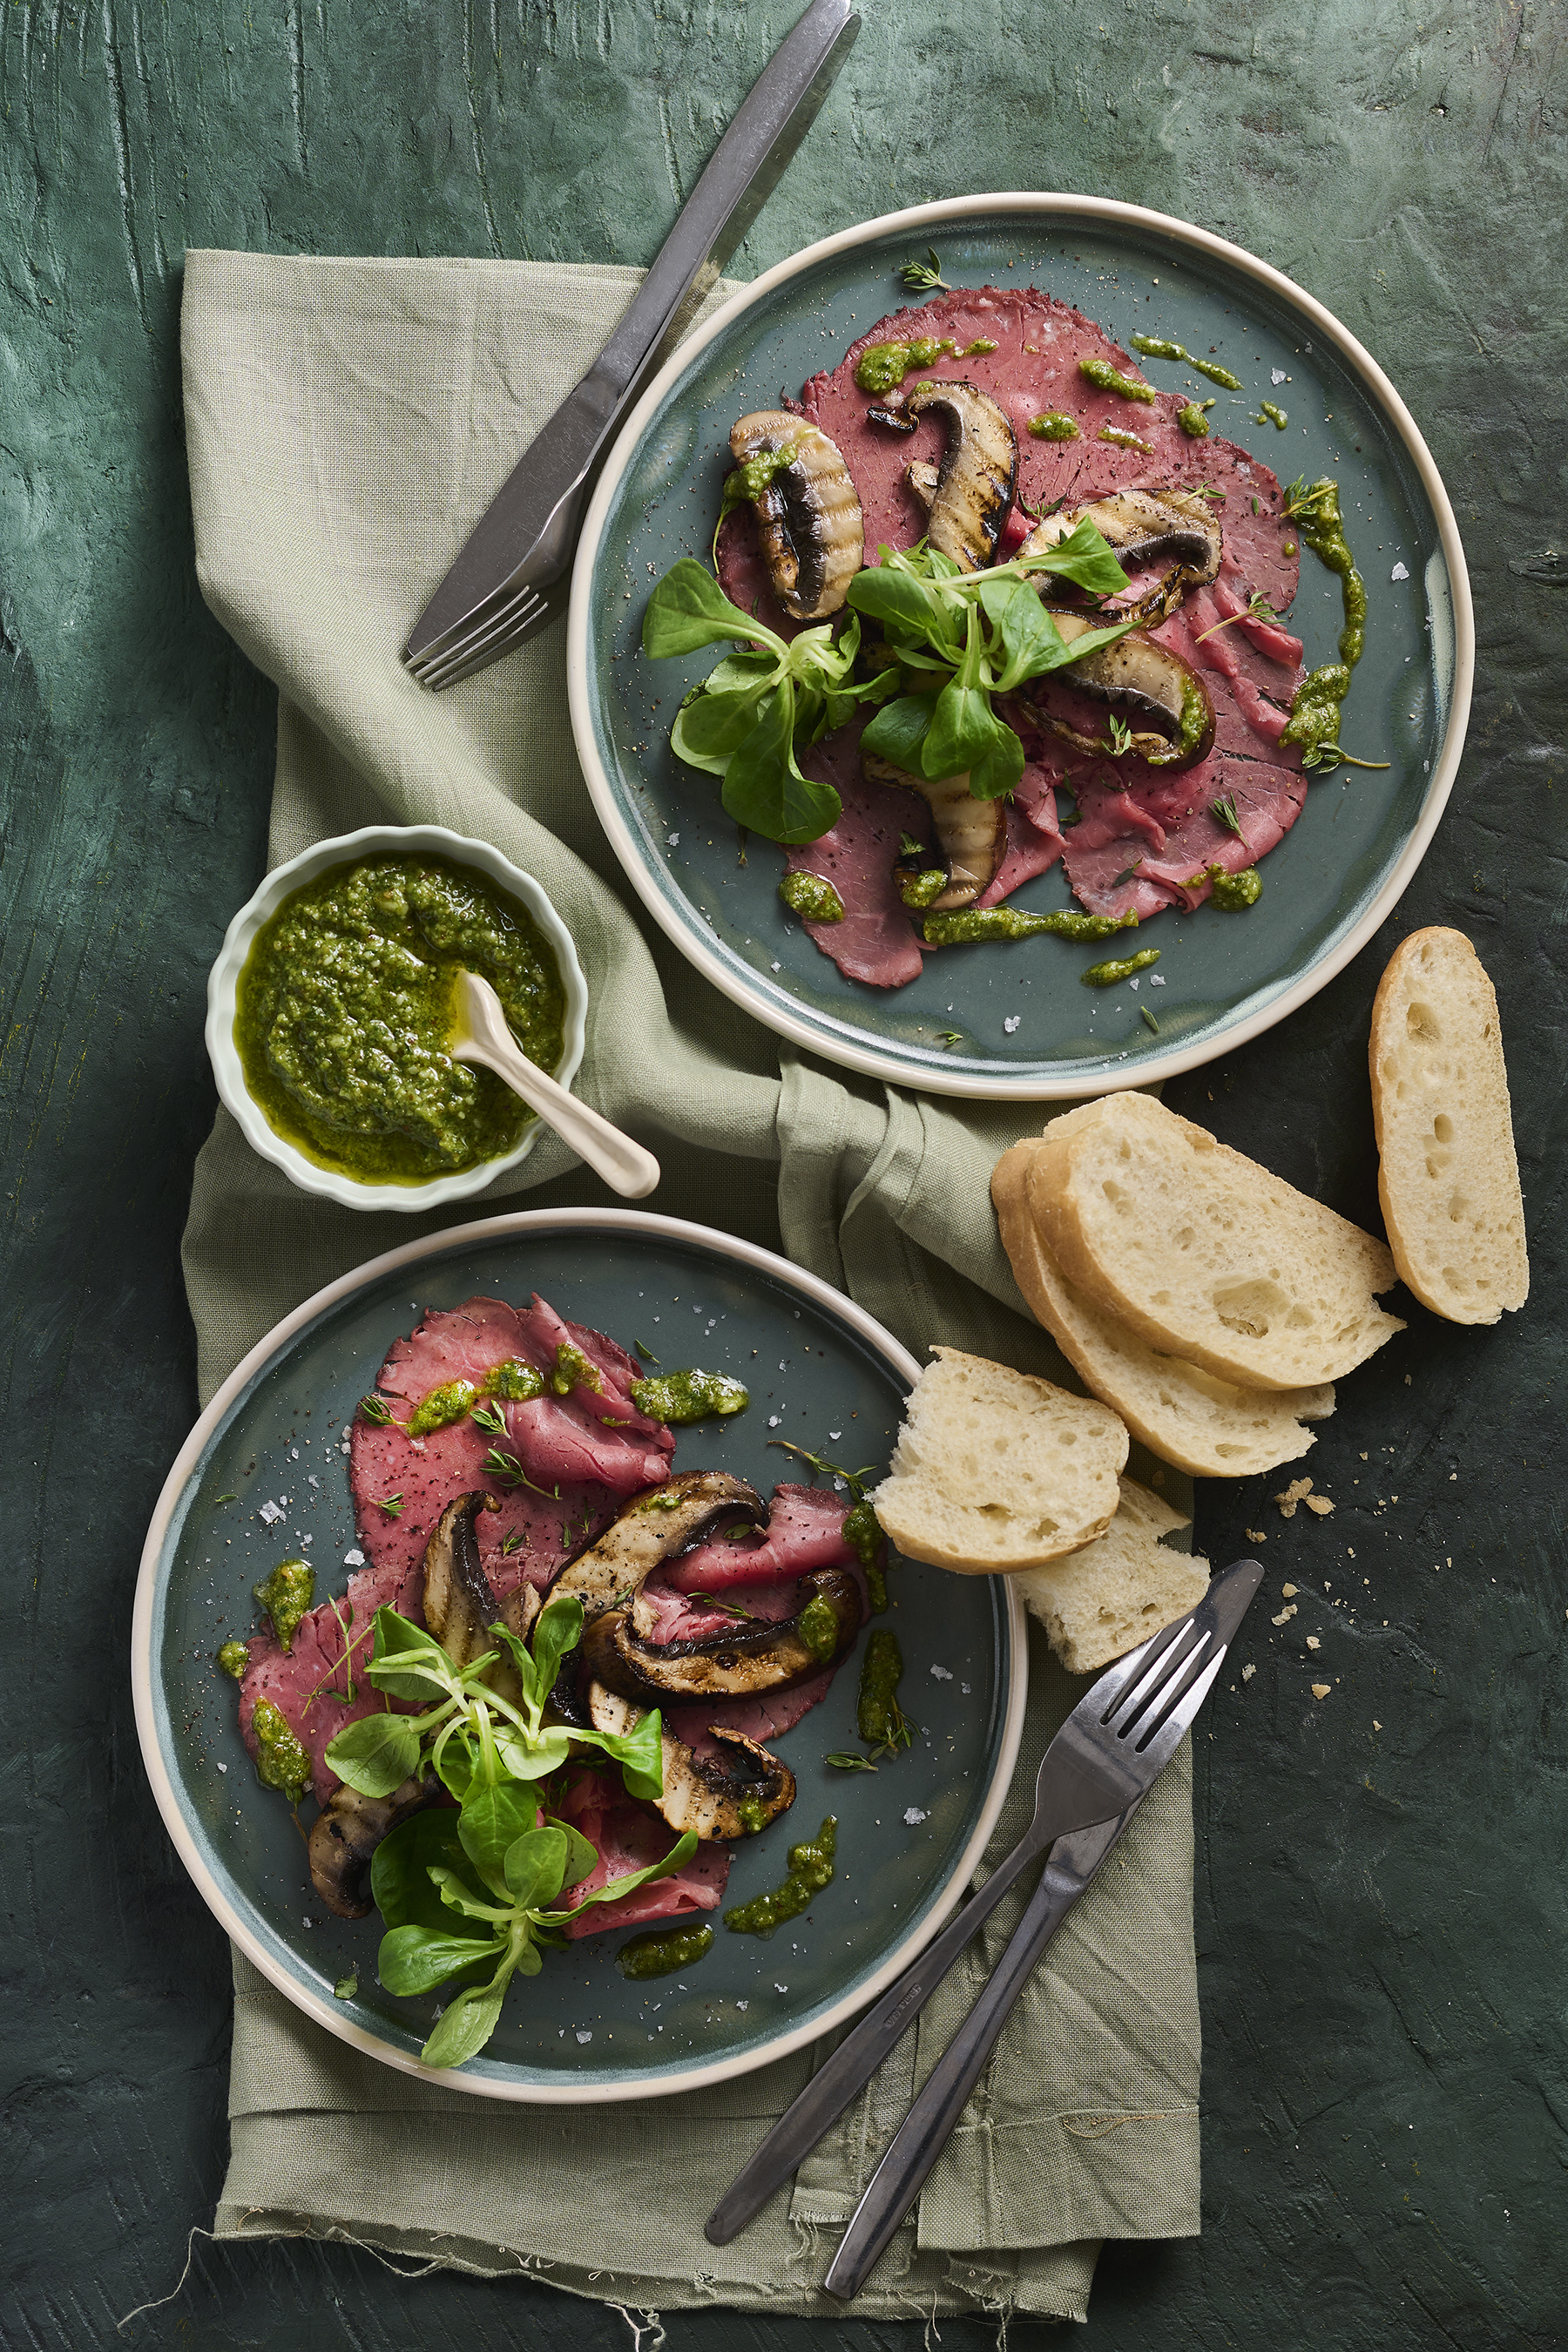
{"type": "Point", "coordinates": [1332, 879]}
{"type": "Point", "coordinates": [821, 1373]}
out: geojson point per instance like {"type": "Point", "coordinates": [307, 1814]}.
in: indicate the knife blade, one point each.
{"type": "Point", "coordinates": [526, 537]}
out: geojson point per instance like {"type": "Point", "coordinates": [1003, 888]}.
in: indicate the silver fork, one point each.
{"type": "Point", "coordinates": [1096, 1771]}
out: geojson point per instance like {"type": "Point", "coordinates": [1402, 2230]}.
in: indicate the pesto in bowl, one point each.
{"type": "Point", "coordinates": [346, 1007]}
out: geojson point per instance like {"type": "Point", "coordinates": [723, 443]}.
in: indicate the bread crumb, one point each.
{"type": "Point", "coordinates": [1320, 1505]}
{"type": "Point", "coordinates": [1407, 1380]}
{"type": "Point", "coordinates": [1288, 1591]}
{"type": "Point", "coordinates": [1247, 1673]}
{"type": "Point", "coordinates": [1321, 1690]}
{"type": "Point", "coordinates": [1296, 1492]}
{"type": "Point", "coordinates": [1376, 1724]}
{"type": "Point", "coordinates": [1313, 1642]}
{"type": "Point", "coordinates": [1285, 1614]}
{"type": "Point", "coordinates": [1256, 1535]}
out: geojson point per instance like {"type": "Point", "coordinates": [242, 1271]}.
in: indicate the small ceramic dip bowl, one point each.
{"type": "Point", "coordinates": [434, 841]}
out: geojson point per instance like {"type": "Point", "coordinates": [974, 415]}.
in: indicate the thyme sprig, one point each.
{"type": "Point", "coordinates": [924, 277]}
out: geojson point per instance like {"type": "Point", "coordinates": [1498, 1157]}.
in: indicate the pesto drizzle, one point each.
{"type": "Point", "coordinates": [661, 1955]}
{"type": "Point", "coordinates": [1314, 720]}
{"type": "Point", "coordinates": [810, 1870]}
{"type": "Point", "coordinates": [1154, 348]}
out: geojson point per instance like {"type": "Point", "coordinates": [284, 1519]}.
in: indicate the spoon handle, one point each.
{"type": "Point", "coordinates": [625, 1166]}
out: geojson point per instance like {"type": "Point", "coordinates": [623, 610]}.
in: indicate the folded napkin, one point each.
{"type": "Point", "coordinates": [346, 422]}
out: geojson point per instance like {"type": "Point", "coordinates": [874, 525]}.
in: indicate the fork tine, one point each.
{"type": "Point", "coordinates": [1181, 1639]}
{"type": "Point", "coordinates": [1160, 1744]}
{"type": "Point", "coordinates": [1123, 1673]}
{"type": "Point", "coordinates": [482, 643]}
{"type": "Point", "coordinates": [486, 632]}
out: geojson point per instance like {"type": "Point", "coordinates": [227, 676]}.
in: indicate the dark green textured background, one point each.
{"type": "Point", "coordinates": [1381, 1914]}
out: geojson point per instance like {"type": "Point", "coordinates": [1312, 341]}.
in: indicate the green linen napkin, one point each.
{"type": "Point", "coordinates": [346, 422]}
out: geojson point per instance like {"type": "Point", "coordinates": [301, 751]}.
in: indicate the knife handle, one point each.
{"type": "Point", "coordinates": [857, 2057]}
{"type": "Point", "coordinates": [932, 2120]}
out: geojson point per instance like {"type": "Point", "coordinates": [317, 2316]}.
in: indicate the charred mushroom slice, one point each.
{"type": "Point", "coordinates": [654, 1527]}
{"type": "Point", "coordinates": [973, 834]}
{"type": "Point", "coordinates": [732, 1795]}
{"type": "Point", "coordinates": [1169, 704]}
{"type": "Point", "coordinates": [459, 1604]}
{"type": "Point", "coordinates": [808, 516]}
{"type": "Point", "coordinates": [741, 1662]}
{"type": "Point", "coordinates": [1142, 526]}
{"type": "Point", "coordinates": [978, 473]}
{"type": "Point", "coordinates": [345, 1837]}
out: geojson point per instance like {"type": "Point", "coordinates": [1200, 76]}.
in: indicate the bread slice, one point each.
{"type": "Point", "coordinates": [996, 1469]}
{"type": "Point", "coordinates": [1185, 1416]}
{"type": "Point", "coordinates": [1448, 1179]}
{"type": "Point", "coordinates": [1204, 1253]}
{"type": "Point", "coordinates": [1101, 1602]}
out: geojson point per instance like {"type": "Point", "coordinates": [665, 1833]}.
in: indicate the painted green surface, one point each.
{"type": "Point", "coordinates": [1382, 1913]}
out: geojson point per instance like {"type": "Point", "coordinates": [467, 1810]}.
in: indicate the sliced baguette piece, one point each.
{"type": "Point", "coordinates": [1448, 1178]}
{"type": "Point", "coordinates": [996, 1469]}
{"type": "Point", "coordinates": [1205, 1254]}
{"type": "Point", "coordinates": [1101, 1602]}
{"type": "Point", "coordinates": [1184, 1414]}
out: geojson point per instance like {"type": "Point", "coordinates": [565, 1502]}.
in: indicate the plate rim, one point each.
{"type": "Point", "coordinates": [257, 1949]}
{"type": "Point", "coordinates": [815, 1036]}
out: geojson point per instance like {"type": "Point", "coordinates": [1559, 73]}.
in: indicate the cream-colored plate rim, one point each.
{"type": "Point", "coordinates": [1032, 1087]}
{"type": "Point", "coordinates": [326, 2012]}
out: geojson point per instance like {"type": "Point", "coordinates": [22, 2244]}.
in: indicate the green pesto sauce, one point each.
{"type": "Point", "coordinates": [515, 1380]}
{"type": "Point", "coordinates": [962, 924]}
{"type": "Point", "coordinates": [1153, 348]}
{"type": "Point", "coordinates": [1055, 424]}
{"type": "Point", "coordinates": [1193, 421]}
{"type": "Point", "coordinates": [1267, 414]}
{"type": "Point", "coordinates": [813, 897]}
{"type": "Point", "coordinates": [920, 889]}
{"type": "Point", "coordinates": [573, 1370]}
{"type": "Point", "coordinates": [1106, 378]}
{"type": "Point", "coordinates": [1315, 710]}
{"type": "Point", "coordinates": [234, 1658]}
{"type": "Point", "coordinates": [880, 1718]}
{"type": "Point", "coordinates": [1117, 967]}
{"type": "Point", "coordinates": [678, 1397]}
{"type": "Point", "coordinates": [345, 1009]}
{"type": "Point", "coordinates": [1190, 734]}
{"type": "Point", "coordinates": [810, 1870]}
{"type": "Point", "coordinates": [863, 1531]}
{"type": "Point", "coordinates": [443, 1405]}
{"type": "Point", "coordinates": [1122, 440]}
{"type": "Point", "coordinates": [1233, 893]}
{"type": "Point", "coordinates": [817, 1626]}
{"type": "Point", "coordinates": [285, 1595]}
{"type": "Point", "coordinates": [280, 1763]}
{"type": "Point", "coordinates": [750, 480]}
{"type": "Point", "coordinates": [882, 367]}
{"type": "Point", "coordinates": [661, 1955]}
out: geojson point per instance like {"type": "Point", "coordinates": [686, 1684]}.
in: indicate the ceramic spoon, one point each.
{"type": "Point", "coordinates": [485, 1038]}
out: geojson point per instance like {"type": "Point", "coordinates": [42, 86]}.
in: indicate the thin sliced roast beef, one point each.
{"type": "Point", "coordinates": [572, 1471]}
{"type": "Point", "coordinates": [629, 1836]}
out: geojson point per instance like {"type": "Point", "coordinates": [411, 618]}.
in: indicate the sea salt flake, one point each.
{"type": "Point", "coordinates": [779, 1988]}
{"type": "Point", "coordinates": [354, 1559]}
{"type": "Point", "coordinates": [1400, 572]}
{"type": "Point", "coordinates": [773, 1420]}
{"type": "Point", "coordinates": [269, 1515]}
{"type": "Point", "coordinates": [913, 1817]}
{"type": "Point", "coordinates": [673, 839]}
{"type": "Point", "coordinates": [582, 2035]}
{"type": "Point", "coordinates": [1011, 1023]}
{"type": "Point", "coordinates": [1156, 980]}
{"type": "Point", "coordinates": [940, 1675]}
{"type": "Point", "coordinates": [778, 967]}
{"type": "Point", "coordinates": [1277, 376]}
{"type": "Point", "coordinates": [1132, 984]}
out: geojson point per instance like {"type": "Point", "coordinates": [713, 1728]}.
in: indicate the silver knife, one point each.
{"type": "Point", "coordinates": [496, 591]}
{"type": "Point", "coordinates": [1080, 1783]}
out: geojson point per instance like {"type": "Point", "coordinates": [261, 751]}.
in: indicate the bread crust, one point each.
{"type": "Point", "coordinates": [1448, 1171]}
{"type": "Point", "coordinates": [1106, 1358]}
{"type": "Point", "coordinates": [1242, 1362]}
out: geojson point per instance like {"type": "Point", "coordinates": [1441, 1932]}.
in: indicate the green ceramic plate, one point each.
{"type": "Point", "coordinates": [1328, 884]}
{"type": "Point", "coordinates": [820, 1372]}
